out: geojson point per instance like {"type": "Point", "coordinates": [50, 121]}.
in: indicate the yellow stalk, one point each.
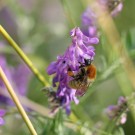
{"type": "Point", "coordinates": [23, 56]}
{"type": "Point", "coordinates": [29, 64]}
{"type": "Point", "coordinates": [107, 24]}
{"type": "Point", "coordinates": [17, 102]}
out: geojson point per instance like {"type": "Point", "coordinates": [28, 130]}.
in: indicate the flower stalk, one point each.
{"type": "Point", "coordinates": [115, 40]}
{"type": "Point", "coordinates": [118, 48]}
{"type": "Point", "coordinates": [23, 56]}
{"type": "Point", "coordinates": [17, 102]}
{"type": "Point", "coordinates": [32, 68]}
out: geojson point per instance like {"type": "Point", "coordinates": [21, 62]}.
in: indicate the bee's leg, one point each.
{"type": "Point", "coordinates": [83, 71]}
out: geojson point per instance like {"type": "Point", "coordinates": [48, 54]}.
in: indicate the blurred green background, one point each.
{"type": "Point", "coordinates": [41, 28]}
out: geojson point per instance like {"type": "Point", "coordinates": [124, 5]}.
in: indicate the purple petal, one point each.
{"type": "Point", "coordinates": [2, 122]}
{"type": "Point", "coordinates": [2, 112]}
{"type": "Point", "coordinates": [92, 31]}
{"type": "Point", "coordinates": [73, 32]}
{"type": "Point", "coordinates": [112, 110]}
{"type": "Point", "coordinates": [121, 101]}
{"type": "Point", "coordinates": [123, 118]}
{"type": "Point", "coordinates": [94, 40]}
{"type": "Point", "coordinates": [51, 68]}
{"type": "Point", "coordinates": [68, 109]}
{"type": "Point", "coordinates": [21, 76]}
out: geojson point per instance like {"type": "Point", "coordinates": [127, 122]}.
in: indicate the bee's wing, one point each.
{"type": "Point", "coordinates": [83, 85]}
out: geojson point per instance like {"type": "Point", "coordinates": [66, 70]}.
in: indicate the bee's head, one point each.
{"type": "Point", "coordinates": [87, 62]}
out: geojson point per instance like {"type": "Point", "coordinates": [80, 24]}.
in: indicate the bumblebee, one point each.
{"type": "Point", "coordinates": [84, 78]}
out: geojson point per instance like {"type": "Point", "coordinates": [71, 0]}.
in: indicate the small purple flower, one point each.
{"type": "Point", "coordinates": [21, 76]}
{"type": "Point", "coordinates": [112, 111]}
{"type": "Point", "coordinates": [3, 64]}
{"type": "Point", "coordinates": [89, 20]}
{"type": "Point", "coordinates": [81, 48]}
{"type": "Point", "coordinates": [118, 111]}
{"type": "Point", "coordinates": [122, 101]}
{"type": "Point", "coordinates": [89, 17]}
{"type": "Point", "coordinates": [2, 113]}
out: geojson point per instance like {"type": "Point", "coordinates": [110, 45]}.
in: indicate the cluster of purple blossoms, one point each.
{"type": "Point", "coordinates": [118, 111]}
{"type": "Point", "coordinates": [80, 49]}
{"type": "Point", "coordinates": [89, 17]}
{"type": "Point", "coordinates": [89, 27]}
{"type": "Point", "coordinates": [18, 76]}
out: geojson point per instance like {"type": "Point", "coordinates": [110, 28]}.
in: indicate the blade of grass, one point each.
{"type": "Point", "coordinates": [17, 103]}
{"type": "Point", "coordinates": [23, 56]}
{"type": "Point", "coordinates": [107, 25]}
{"type": "Point", "coordinates": [33, 69]}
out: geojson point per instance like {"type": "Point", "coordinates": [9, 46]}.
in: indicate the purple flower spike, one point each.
{"type": "Point", "coordinates": [118, 111]}
{"type": "Point", "coordinates": [89, 17]}
{"type": "Point", "coordinates": [122, 101]}
{"type": "Point", "coordinates": [18, 76]}
{"type": "Point", "coordinates": [111, 111]}
{"type": "Point", "coordinates": [89, 20]}
{"type": "Point", "coordinates": [2, 113]}
{"type": "Point", "coordinates": [81, 49]}
{"type": "Point", "coordinates": [21, 76]}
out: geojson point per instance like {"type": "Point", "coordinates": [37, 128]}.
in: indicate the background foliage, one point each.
{"type": "Point", "coordinates": [41, 28]}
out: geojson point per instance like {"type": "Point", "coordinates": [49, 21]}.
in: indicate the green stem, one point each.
{"type": "Point", "coordinates": [118, 48]}
{"type": "Point", "coordinates": [23, 56]}
{"type": "Point", "coordinates": [25, 59]}
{"type": "Point", "coordinates": [17, 102]}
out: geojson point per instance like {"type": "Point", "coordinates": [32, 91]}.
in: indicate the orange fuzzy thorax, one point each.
{"type": "Point", "coordinates": [91, 71]}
